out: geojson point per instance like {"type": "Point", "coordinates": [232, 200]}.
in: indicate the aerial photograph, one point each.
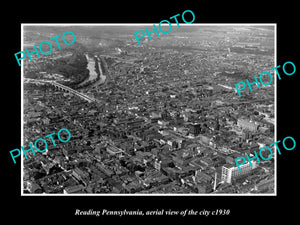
{"type": "Point", "coordinates": [162, 117]}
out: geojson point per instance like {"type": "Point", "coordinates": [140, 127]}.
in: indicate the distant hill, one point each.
{"type": "Point", "coordinates": [73, 67]}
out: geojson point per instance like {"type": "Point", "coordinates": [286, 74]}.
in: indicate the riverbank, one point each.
{"type": "Point", "coordinates": [102, 76]}
{"type": "Point", "coordinates": [92, 73]}
{"type": "Point", "coordinates": [96, 76]}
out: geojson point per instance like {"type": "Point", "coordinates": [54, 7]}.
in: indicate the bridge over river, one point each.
{"type": "Point", "coordinates": [61, 87]}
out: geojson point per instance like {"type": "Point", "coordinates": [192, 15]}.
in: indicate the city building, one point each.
{"type": "Point", "coordinates": [247, 124]}
{"type": "Point", "coordinates": [231, 172]}
{"type": "Point", "coordinates": [265, 185]}
{"type": "Point", "coordinates": [195, 128]}
{"type": "Point", "coordinates": [74, 189]}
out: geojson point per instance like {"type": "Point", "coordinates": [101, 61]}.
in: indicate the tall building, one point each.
{"type": "Point", "coordinates": [195, 128]}
{"type": "Point", "coordinates": [245, 135]}
{"type": "Point", "coordinates": [157, 164]}
{"type": "Point", "coordinates": [231, 172]}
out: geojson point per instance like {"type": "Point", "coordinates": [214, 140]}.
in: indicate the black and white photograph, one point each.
{"type": "Point", "coordinates": [150, 113]}
{"type": "Point", "coordinates": [160, 117]}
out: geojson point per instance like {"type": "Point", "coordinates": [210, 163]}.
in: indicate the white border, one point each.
{"type": "Point", "coordinates": [149, 24]}
{"type": "Point", "coordinates": [22, 111]}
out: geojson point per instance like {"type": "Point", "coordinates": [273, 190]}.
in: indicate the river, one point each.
{"type": "Point", "coordinates": [92, 72]}
{"type": "Point", "coordinates": [102, 77]}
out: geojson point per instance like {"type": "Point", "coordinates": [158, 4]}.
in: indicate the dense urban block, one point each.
{"type": "Point", "coordinates": [161, 117]}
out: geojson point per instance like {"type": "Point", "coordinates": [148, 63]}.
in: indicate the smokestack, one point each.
{"type": "Point", "coordinates": [215, 183]}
